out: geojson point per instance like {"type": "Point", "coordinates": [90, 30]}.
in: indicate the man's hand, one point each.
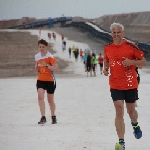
{"type": "Point", "coordinates": [127, 62]}
{"type": "Point", "coordinates": [43, 63]}
{"type": "Point", "coordinates": [37, 69]}
{"type": "Point", "coordinates": [106, 72]}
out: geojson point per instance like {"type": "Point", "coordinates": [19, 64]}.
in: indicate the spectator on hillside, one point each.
{"type": "Point", "coordinates": [76, 53]}
{"type": "Point", "coordinates": [63, 47]}
{"type": "Point", "coordinates": [81, 54]}
{"type": "Point", "coordinates": [64, 43]}
{"type": "Point", "coordinates": [94, 51]}
{"type": "Point", "coordinates": [100, 61]}
{"type": "Point", "coordinates": [69, 50]}
{"type": "Point", "coordinates": [54, 36]}
{"type": "Point", "coordinates": [73, 50]}
{"type": "Point", "coordinates": [84, 61]}
{"type": "Point", "coordinates": [39, 32]}
{"type": "Point", "coordinates": [86, 51]}
{"type": "Point", "coordinates": [88, 64]}
{"type": "Point", "coordinates": [62, 36]}
{"type": "Point", "coordinates": [49, 35]}
{"type": "Point", "coordinates": [94, 62]}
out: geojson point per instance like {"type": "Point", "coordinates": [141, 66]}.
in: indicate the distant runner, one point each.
{"type": "Point", "coordinates": [100, 61]}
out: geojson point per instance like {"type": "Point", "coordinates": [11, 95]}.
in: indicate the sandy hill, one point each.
{"type": "Point", "coordinates": [137, 24]}
{"type": "Point", "coordinates": [17, 52]}
{"type": "Point", "coordinates": [17, 49]}
{"type": "Point", "coordinates": [127, 19]}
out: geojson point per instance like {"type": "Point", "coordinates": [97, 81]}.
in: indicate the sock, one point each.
{"type": "Point", "coordinates": [134, 124]}
{"type": "Point", "coordinates": [121, 140]}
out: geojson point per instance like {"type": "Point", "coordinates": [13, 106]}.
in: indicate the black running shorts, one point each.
{"type": "Point", "coordinates": [101, 65]}
{"type": "Point", "coordinates": [130, 96]}
{"type": "Point", "coordinates": [93, 67]}
{"type": "Point", "coordinates": [88, 66]}
{"type": "Point", "coordinates": [49, 86]}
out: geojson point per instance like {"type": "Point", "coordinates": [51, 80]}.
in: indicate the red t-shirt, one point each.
{"type": "Point", "coordinates": [81, 52]}
{"type": "Point", "coordinates": [100, 60]}
{"type": "Point", "coordinates": [122, 78]}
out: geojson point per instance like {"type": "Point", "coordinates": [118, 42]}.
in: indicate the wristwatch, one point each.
{"type": "Point", "coordinates": [47, 65]}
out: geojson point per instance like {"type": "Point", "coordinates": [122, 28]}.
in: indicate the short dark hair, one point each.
{"type": "Point", "coordinates": [42, 42]}
{"type": "Point", "coordinates": [93, 54]}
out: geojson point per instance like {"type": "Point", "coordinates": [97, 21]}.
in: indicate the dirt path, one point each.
{"type": "Point", "coordinates": [76, 35]}
{"type": "Point", "coordinates": [18, 49]}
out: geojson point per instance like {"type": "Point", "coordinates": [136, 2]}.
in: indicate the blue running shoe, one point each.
{"type": "Point", "coordinates": [137, 132]}
{"type": "Point", "coordinates": [120, 145]}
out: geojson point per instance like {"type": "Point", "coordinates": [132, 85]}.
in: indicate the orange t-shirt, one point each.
{"type": "Point", "coordinates": [122, 78]}
{"type": "Point", "coordinates": [44, 73]}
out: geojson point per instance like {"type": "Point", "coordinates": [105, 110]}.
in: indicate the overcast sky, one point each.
{"type": "Point", "coordinates": [15, 9]}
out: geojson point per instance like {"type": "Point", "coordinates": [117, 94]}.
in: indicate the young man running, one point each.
{"type": "Point", "coordinates": [45, 65]}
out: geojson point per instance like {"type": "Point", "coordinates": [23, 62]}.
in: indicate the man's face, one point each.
{"type": "Point", "coordinates": [42, 47]}
{"type": "Point", "coordinates": [117, 34]}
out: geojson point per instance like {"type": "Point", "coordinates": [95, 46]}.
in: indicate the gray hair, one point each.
{"type": "Point", "coordinates": [116, 25]}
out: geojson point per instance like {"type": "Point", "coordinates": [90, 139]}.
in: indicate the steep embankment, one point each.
{"type": "Point", "coordinates": [129, 19]}
{"type": "Point", "coordinates": [5, 24]}
{"type": "Point", "coordinates": [137, 25]}
{"type": "Point", "coordinates": [17, 52]}
{"type": "Point", "coordinates": [76, 35]}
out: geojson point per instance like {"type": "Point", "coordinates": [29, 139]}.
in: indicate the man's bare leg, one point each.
{"type": "Point", "coordinates": [119, 120]}
{"type": "Point", "coordinates": [41, 101]}
{"type": "Point", "coordinates": [41, 105]}
{"type": "Point", "coordinates": [52, 105]}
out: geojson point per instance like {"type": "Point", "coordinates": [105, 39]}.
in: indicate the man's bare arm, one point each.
{"type": "Point", "coordinates": [36, 67]}
{"type": "Point", "coordinates": [106, 64]}
{"type": "Point", "coordinates": [106, 67]}
{"type": "Point", "coordinates": [137, 63]}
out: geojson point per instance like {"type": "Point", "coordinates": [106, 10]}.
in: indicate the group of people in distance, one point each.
{"type": "Point", "coordinates": [74, 50]}
{"type": "Point", "coordinates": [121, 60]}
{"type": "Point", "coordinates": [90, 61]}
{"type": "Point", "coordinates": [50, 35]}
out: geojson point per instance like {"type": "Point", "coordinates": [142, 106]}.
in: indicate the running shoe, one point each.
{"type": "Point", "coordinates": [137, 132]}
{"type": "Point", "coordinates": [43, 120]}
{"type": "Point", "coordinates": [54, 120]}
{"type": "Point", "coordinates": [120, 145]}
